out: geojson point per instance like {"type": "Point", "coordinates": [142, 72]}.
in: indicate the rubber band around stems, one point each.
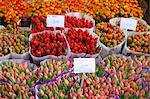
{"type": "Point", "coordinates": [143, 67]}
{"type": "Point", "coordinates": [50, 82]}
{"type": "Point", "coordinates": [2, 80]}
{"type": "Point", "coordinates": [117, 97]}
{"type": "Point", "coordinates": [56, 78]}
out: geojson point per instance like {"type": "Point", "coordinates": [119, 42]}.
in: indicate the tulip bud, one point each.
{"type": "Point", "coordinates": [9, 87]}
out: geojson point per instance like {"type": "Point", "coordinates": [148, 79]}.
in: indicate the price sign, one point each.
{"type": "Point", "coordinates": [55, 20]}
{"type": "Point", "coordinates": [84, 65]}
{"type": "Point", "coordinates": [128, 23]}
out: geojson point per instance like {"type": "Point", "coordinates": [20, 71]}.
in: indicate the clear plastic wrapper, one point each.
{"type": "Point", "coordinates": [1, 27]}
{"type": "Point", "coordinates": [38, 59]}
{"type": "Point", "coordinates": [59, 88]}
{"type": "Point", "coordinates": [52, 69]}
{"type": "Point", "coordinates": [124, 78]}
{"type": "Point", "coordinates": [97, 46]}
{"type": "Point", "coordinates": [126, 50]}
{"type": "Point", "coordinates": [9, 54]}
{"type": "Point", "coordinates": [21, 77]}
{"type": "Point", "coordinates": [25, 55]}
{"type": "Point", "coordinates": [5, 57]}
{"type": "Point", "coordinates": [112, 38]}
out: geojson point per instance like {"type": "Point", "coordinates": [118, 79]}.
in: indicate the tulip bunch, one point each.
{"type": "Point", "coordinates": [82, 42]}
{"type": "Point", "coordinates": [145, 77]}
{"type": "Point", "coordinates": [48, 43]}
{"type": "Point", "coordinates": [18, 44]}
{"type": "Point", "coordinates": [14, 30]}
{"type": "Point", "coordinates": [139, 43]}
{"type": "Point", "coordinates": [52, 68]}
{"type": "Point", "coordinates": [4, 49]}
{"type": "Point", "coordinates": [110, 36]}
{"type": "Point", "coordinates": [125, 79]}
{"type": "Point", "coordinates": [113, 63]}
{"type": "Point", "coordinates": [142, 60]}
{"type": "Point", "coordinates": [38, 24]}
{"type": "Point", "coordinates": [126, 86]}
{"type": "Point", "coordinates": [22, 78]}
{"type": "Point", "coordinates": [89, 88]}
{"type": "Point", "coordinates": [58, 89]}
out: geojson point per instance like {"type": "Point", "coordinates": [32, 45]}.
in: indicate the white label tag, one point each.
{"type": "Point", "coordinates": [128, 23]}
{"type": "Point", "coordinates": [84, 65]}
{"type": "Point", "coordinates": [55, 20]}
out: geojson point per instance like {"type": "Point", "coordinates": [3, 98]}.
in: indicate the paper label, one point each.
{"type": "Point", "coordinates": [128, 23]}
{"type": "Point", "coordinates": [84, 65]}
{"type": "Point", "coordinates": [55, 20]}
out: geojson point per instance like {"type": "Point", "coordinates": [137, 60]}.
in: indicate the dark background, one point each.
{"type": "Point", "coordinates": [145, 5]}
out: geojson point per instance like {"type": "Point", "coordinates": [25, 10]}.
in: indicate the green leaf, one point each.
{"type": "Point", "coordinates": [3, 93]}
{"type": "Point", "coordinates": [56, 73]}
{"type": "Point", "coordinates": [10, 65]}
{"type": "Point", "coordinates": [67, 88]}
{"type": "Point", "coordinates": [49, 77]}
{"type": "Point", "coordinates": [19, 94]}
{"type": "Point", "coordinates": [75, 89]}
{"type": "Point", "coordinates": [44, 89]}
{"type": "Point", "coordinates": [110, 76]}
{"type": "Point", "coordinates": [1, 65]}
{"type": "Point", "coordinates": [26, 94]}
{"type": "Point", "coordinates": [43, 71]}
{"type": "Point", "coordinates": [62, 62]}
{"type": "Point", "coordinates": [111, 61]}
{"type": "Point", "coordinates": [29, 82]}
{"type": "Point", "coordinates": [33, 78]}
{"type": "Point", "coordinates": [138, 85]}
{"type": "Point", "coordinates": [127, 69]}
{"type": "Point", "coordinates": [11, 29]}
{"type": "Point", "coordinates": [44, 64]}
{"type": "Point", "coordinates": [127, 61]}
{"type": "Point", "coordinates": [97, 13]}
{"type": "Point", "coordinates": [83, 97]}
{"type": "Point", "coordinates": [134, 97]}
{"type": "Point", "coordinates": [44, 79]}
{"type": "Point", "coordinates": [118, 83]}
{"type": "Point", "coordinates": [100, 73]}
{"type": "Point", "coordinates": [46, 97]}
{"type": "Point", "coordinates": [11, 79]}
{"type": "Point", "coordinates": [50, 61]}
{"type": "Point", "coordinates": [96, 91]}
{"type": "Point", "coordinates": [44, 54]}
{"type": "Point", "coordinates": [55, 91]}
{"type": "Point", "coordinates": [17, 71]}
{"type": "Point", "coordinates": [65, 68]}
{"type": "Point", "coordinates": [148, 29]}
{"type": "Point", "coordinates": [60, 87]}
{"type": "Point", "coordinates": [60, 97]}
{"type": "Point", "coordinates": [104, 42]}
{"type": "Point", "coordinates": [131, 92]}
{"type": "Point", "coordinates": [122, 97]}
{"type": "Point", "coordinates": [33, 26]}
{"type": "Point", "coordinates": [40, 38]}
{"type": "Point", "coordinates": [40, 95]}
